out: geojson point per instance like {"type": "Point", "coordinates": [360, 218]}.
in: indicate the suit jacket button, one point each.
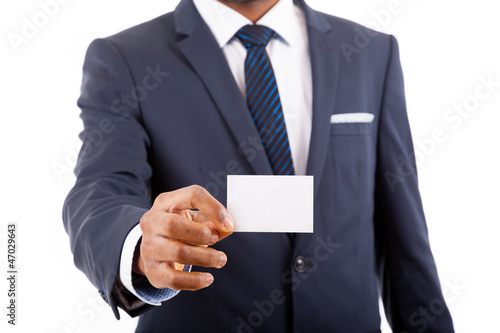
{"type": "Point", "coordinates": [300, 264]}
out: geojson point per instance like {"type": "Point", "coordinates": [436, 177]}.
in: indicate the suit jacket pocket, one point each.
{"type": "Point", "coordinates": [351, 129]}
{"type": "Point", "coordinates": [351, 166]}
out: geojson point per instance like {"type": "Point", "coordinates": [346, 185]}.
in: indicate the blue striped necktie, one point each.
{"type": "Point", "coordinates": [263, 98]}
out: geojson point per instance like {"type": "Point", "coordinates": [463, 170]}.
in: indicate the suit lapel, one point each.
{"type": "Point", "coordinates": [205, 56]}
{"type": "Point", "coordinates": [325, 59]}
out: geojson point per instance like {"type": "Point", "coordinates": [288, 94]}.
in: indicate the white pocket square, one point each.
{"type": "Point", "coordinates": [359, 117]}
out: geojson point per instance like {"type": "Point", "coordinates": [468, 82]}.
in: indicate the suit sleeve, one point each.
{"type": "Point", "coordinates": [410, 286]}
{"type": "Point", "coordinates": [111, 191]}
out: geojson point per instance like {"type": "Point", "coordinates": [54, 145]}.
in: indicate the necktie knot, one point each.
{"type": "Point", "coordinates": [255, 35]}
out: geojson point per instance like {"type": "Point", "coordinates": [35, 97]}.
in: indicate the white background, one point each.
{"type": "Point", "coordinates": [446, 47]}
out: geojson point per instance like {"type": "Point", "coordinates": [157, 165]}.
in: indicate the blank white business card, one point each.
{"type": "Point", "coordinates": [271, 203]}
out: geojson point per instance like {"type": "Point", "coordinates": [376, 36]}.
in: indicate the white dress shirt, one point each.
{"type": "Point", "coordinates": [289, 54]}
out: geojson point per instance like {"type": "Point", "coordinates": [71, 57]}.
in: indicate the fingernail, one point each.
{"type": "Point", "coordinates": [210, 279]}
{"type": "Point", "coordinates": [222, 260]}
{"type": "Point", "coordinates": [214, 239]}
{"type": "Point", "coordinates": [228, 224]}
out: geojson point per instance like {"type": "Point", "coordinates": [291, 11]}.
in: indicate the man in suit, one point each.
{"type": "Point", "coordinates": [176, 101]}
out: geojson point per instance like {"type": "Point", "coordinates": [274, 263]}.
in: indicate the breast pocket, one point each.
{"type": "Point", "coordinates": [351, 129]}
{"type": "Point", "coordinates": [352, 149]}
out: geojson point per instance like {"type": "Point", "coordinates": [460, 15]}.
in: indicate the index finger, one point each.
{"type": "Point", "coordinates": [197, 197]}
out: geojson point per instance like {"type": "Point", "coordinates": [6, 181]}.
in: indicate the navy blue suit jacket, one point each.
{"type": "Point", "coordinates": [161, 111]}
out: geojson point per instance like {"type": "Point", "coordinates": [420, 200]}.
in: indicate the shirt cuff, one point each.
{"type": "Point", "coordinates": [140, 287]}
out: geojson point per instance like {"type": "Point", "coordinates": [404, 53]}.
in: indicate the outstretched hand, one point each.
{"type": "Point", "coordinates": [178, 231]}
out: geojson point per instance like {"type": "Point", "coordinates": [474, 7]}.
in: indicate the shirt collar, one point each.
{"type": "Point", "coordinates": [224, 22]}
